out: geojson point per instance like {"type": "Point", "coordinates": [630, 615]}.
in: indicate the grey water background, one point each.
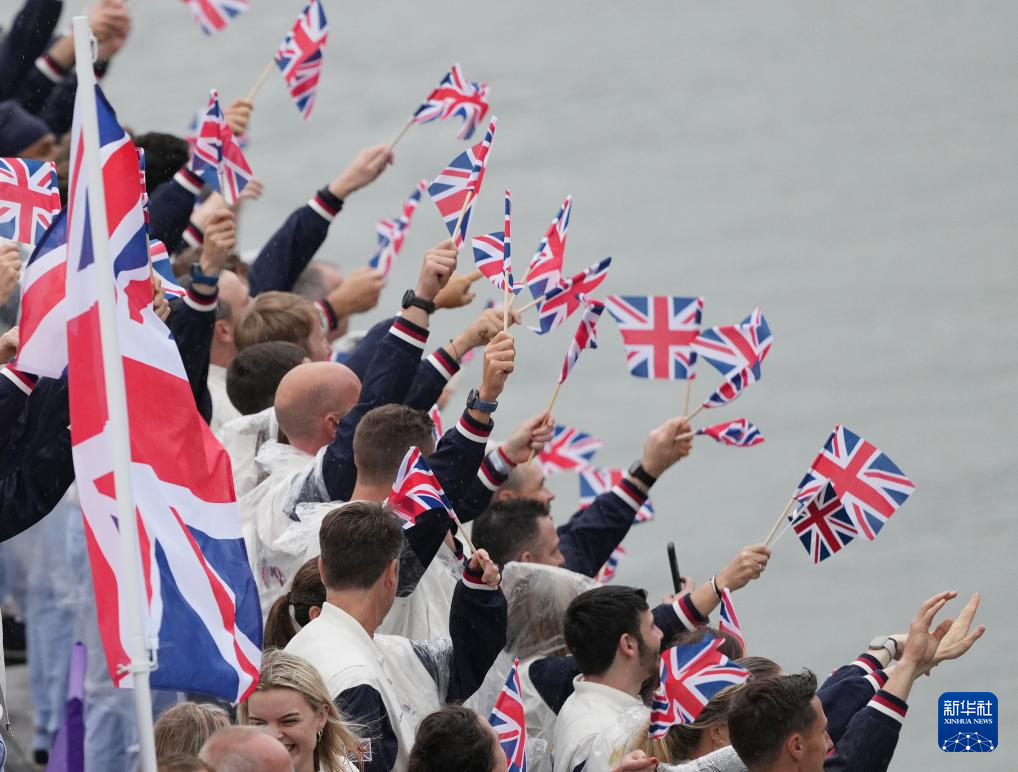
{"type": "Point", "coordinates": [851, 168]}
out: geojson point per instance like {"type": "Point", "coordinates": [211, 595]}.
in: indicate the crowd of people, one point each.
{"type": "Point", "coordinates": [385, 648]}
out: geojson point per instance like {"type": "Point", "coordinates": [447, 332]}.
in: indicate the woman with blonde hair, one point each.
{"type": "Point", "coordinates": [292, 704]}
{"type": "Point", "coordinates": [184, 728]}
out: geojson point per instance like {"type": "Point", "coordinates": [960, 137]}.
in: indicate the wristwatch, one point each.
{"type": "Point", "coordinates": [410, 299]}
{"type": "Point", "coordinates": [887, 643]}
{"type": "Point", "coordinates": [474, 402]}
{"type": "Point", "coordinates": [197, 277]}
{"type": "Point", "coordinates": [637, 471]}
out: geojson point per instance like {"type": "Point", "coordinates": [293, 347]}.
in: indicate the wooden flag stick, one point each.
{"type": "Point", "coordinates": [777, 523]}
{"type": "Point", "coordinates": [505, 302]}
{"type": "Point", "coordinates": [261, 80]}
{"type": "Point", "coordinates": [463, 533]}
{"type": "Point", "coordinates": [403, 131]}
{"type": "Point", "coordinates": [551, 404]}
{"type": "Point", "coordinates": [532, 303]}
{"type": "Point", "coordinates": [463, 211]}
{"type": "Point", "coordinates": [781, 533]}
{"type": "Point", "coordinates": [689, 393]}
{"type": "Point", "coordinates": [695, 413]}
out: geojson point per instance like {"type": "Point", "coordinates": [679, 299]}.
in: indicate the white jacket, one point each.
{"type": "Point", "coordinates": [590, 729]}
{"type": "Point", "coordinates": [242, 437]}
{"type": "Point", "coordinates": [223, 410]}
{"type": "Point", "coordinates": [424, 614]}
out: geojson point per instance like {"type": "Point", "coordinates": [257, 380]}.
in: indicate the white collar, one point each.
{"type": "Point", "coordinates": [615, 698]}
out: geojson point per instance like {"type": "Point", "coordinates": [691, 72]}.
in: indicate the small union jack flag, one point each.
{"type": "Point", "coordinates": [561, 301]}
{"type": "Point", "coordinates": [43, 324]}
{"type": "Point", "coordinates": [458, 184]}
{"type": "Point", "coordinates": [729, 619]}
{"type": "Point", "coordinates": [161, 264]}
{"type": "Point", "coordinates": [607, 572]}
{"type": "Point", "coordinates": [510, 721]}
{"type": "Point", "coordinates": [214, 15]}
{"type": "Point", "coordinates": [595, 480]}
{"type": "Point", "coordinates": [738, 433]}
{"type": "Point", "coordinates": [738, 346]}
{"type": "Point", "coordinates": [435, 414]}
{"type": "Point", "coordinates": [299, 57]}
{"type": "Point", "coordinates": [823, 526]}
{"type": "Point", "coordinates": [235, 172]}
{"type": "Point", "coordinates": [455, 95]}
{"type": "Point", "coordinates": [690, 676]}
{"type": "Point", "coordinates": [416, 490]}
{"type": "Point", "coordinates": [569, 449]}
{"type": "Point", "coordinates": [392, 233]}
{"type": "Point", "coordinates": [492, 254]}
{"type": "Point", "coordinates": [585, 337]}
{"type": "Point", "coordinates": [658, 334]}
{"type": "Point", "coordinates": [28, 199]}
{"type": "Point", "coordinates": [732, 387]}
{"type": "Point", "coordinates": [217, 157]}
{"type": "Point", "coordinates": [545, 270]}
{"type": "Point", "coordinates": [869, 484]}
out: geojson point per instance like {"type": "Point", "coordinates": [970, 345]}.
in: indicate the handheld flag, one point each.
{"type": "Point", "coordinates": [729, 620]}
{"type": "Point", "coordinates": [568, 449]}
{"type": "Point", "coordinates": [658, 334]}
{"type": "Point", "coordinates": [28, 199]}
{"type": "Point", "coordinates": [545, 270]}
{"type": "Point", "coordinates": [43, 325]}
{"type": "Point", "coordinates": [595, 480]}
{"type": "Point", "coordinates": [217, 157]}
{"type": "Point", "coordinates": [730, 389]}
{"type": "Point", "coordinates": [392, 233]}
{"type": "Point", "coordinates": [738, 433]}
{"type": "Point", "coordinates": [161, 265]}
{"type": "Point", "coordinates": [561, 301]}
{"type": "Point", "coordinates": [457, 186]}
{"type": "Point", "coordinates": [738, 346]}
{"type": "Point", "coordinates": [510, 722]}
{"type": "Point", "coordinates": [492, 255]}
{"type": "Point", "coordinates": [585, 337]}
{"type": "Point", "coordinates": [455, 96]}
{"type": "Point", "coordinates": [299, 57]}
{"type": "Point", "coordinates": [435, 414]}
{"type": "Point", "coordinates": [823, 526]}
{"type": "Point", "coordinates": [607, 572]}
{"type": "Point", "coordinates": [214, 15]}
{"type": "Point", "coordinates": [416, 490]}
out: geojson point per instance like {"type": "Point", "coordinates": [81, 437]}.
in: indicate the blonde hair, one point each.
{"type": "Point", "coordinates": [276, 316]}
{"type": "Point", "coordinates": [184, 728]}
{"type": "Point", "coordinates": [336, 743]}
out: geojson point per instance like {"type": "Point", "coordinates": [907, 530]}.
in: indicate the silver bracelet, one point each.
{"type": "Point", "coordinates": [714, 586]}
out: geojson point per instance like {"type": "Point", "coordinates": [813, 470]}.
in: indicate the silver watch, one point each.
{"type": "Point", "coordinates": [887, 643]}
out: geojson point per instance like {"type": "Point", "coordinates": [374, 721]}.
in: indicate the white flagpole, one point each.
{"type": "Point", "coordinates": [116, 398]}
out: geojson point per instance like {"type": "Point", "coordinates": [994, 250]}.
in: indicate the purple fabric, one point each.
{"type": "Point", "coordinates": [68, 754]}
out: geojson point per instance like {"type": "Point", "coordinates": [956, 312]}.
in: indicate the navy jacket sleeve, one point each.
{"type": "Point", "coordinates": [553, 679]}
{"type": "Point", "coordinates": [590, 536]}
{"type": "Point", "coordinates": [494, 471]}
{"type": "Point", "coordinates": [25, 41]}
{"type": "Point", "coordinates": [192, 320]}
{"type": "Point", "coordinates": [871, 737]}
{"type": "Point", "coordinates": [171, 204]}
{"type": "Point", "coordinates": [58, 111]}
{"type": "Point", "coordinates": [847, 691]}
{"type": "Point", "coordinates": [15, 388]}
{"type": "Point", "coordinates": [676, 617]}
{"type": "Point", "coordinates": [433, 375]}
{"type": "Point", "coordinates": [477, 625]}
{"type": "Point", "coordinates": [362, 707]}
{"type": "Point", "coordinates": [458, 458]}
{"type": "Point", "coordinates": [39, 83]}
{"type": "Point", "coordinates": [363, 353]}
{"type": "Point", "coordinates": [289, 250]}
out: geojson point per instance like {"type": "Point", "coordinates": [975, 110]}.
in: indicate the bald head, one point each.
{"type": "Point", "coordinates": [245, 749]}
{"type": "Point", "coordinates": [312, 399]}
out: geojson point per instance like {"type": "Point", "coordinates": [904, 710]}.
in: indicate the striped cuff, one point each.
{"type": "Point", "coordinates": [201, 302]}
{"type": "Point", "coordinates": [445, 364]}
{"type": "Point", "coordinates": [688, 614]}
{"type": "Point", "coordinates": [889, 705]}
{"type": "Point", "coordinates": [48, 67]}
{"type": "Point", "coordinates": [867, 663]}
{"type": "Point", "coordinates": [409, 332]}
{"type": "Point", "coordinates": [489, 475]}
{"type": "Point", "coordinates": [24, 381]}
{"type": "Point", "coordinates": [193, 235]}
{"type": "Point", "coordinates": [630, 494]}
{"type": "Point", "coordinates": [329, 319]}
{"type": "Point", "coordinates": [326, 205]}
{"type": "Point", "coordinates": [475, 581]}
{"type": "Point", "coordinates": [189, 181]}
{"type": "Point", "coordinates": [473, 430]}
{"type": "Point", "coordinates": [876, 679]}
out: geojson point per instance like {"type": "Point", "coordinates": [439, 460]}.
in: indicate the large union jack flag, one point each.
{"type": "Point", "coordinates": [510, 721]}
{"type": "Point", "coordinates": [823, 526]}
{"type": "Point", "coordinates": [299, 57]}
{"type": "Point", "coordinates": [200, 600]}
{"type": "Point", "coordinates": [28, 199]}
{"type": "Point", "coordinates": [728, 619]}
{"type": "Point", "coordinates": [392, 233]}
{"type": "Point", "coordinates": [563, 299]}
{"type": "Point", "coordinates": [870, 486]}
{"type": "Point", "coordinates": [609, 569]}
{"type": "Point", "coordinates": [416, 490]}
{"type": "Point", "coordinates": [738, 432]}
{"type": "Point", "coordinates": [595, 480]}
{"type": "Point", "coordinates": [43, 324]}
{"type": "Point", "coordinates": [214, 15]}
{"type": "Point", "coordinates": [731, 388]}
{"type": "Point", "coordinates": [737, 346]}
{"type": "Point", "coordinates": [545, 270]}
{"type": "Point", "coordinates": [459, 184]}
{"type": "Point", "coordinates": [658, 333]}
{"type": "Point", "coordinates": [585, 337]}
{"type": "Point", "coordinates": [455, 95]}
{"type": "Point", "coordinates": [690, 676]}
{"type": "Point", "coordinates": [569, 449]}
{"type": "Point", "coordinates": [492, 254]}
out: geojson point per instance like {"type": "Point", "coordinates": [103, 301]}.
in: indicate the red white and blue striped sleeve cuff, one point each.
{"type": "Point", "coordinates": [193, 235]}
{"type": "Point", "coordinates": [474, 430]}
{"type": "Point", "coordinates": [325, 205]}
{"type": "Point", "coordinates": [189, 181]}
{"type": "Point", "coordinates": [889, 705]}
{"type": "Point", "coordinates": [48, 67]}
{"type": "Point", "coordinates": [408, 331]}
{"type": "Point", "coordinates": [474, 580]}
{"type": "Point", "coordinates": [329, 318]}
{"type": "Point", "coordinates": [876, 679]}
{"type": "Point", "coordinates": [867, 663]}
{"type": "Point", "coordinates": [688, 614]}
{"type": "Point", "coordinates": [630, 494]}
{"type": "Point", "coordinates": [201, 302]}
{"type": "Point", "coordinates": [495, 469]}
{"type": "Point", "coordinates": [24, 381]}
{"type": "Point", "coordinates": [441, 360]}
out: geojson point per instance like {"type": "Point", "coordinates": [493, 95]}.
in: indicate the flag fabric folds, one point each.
{"type": "Point", "coordinates": [562, 300]}
{"type": "Point", "coordinates": [161, 265]}
{"type": "Point", "coordinates": [585, 337]}
{"type": "Point", "coordinates": [299, 57]}
{"type": "Point", "coordinates": [455, 96]}
{"type": "Point", "coordinates": [658, 334]}
{"type": "Point", "coordinates": [510, 722]}
{"type": "Point", "coordinates": [201, 605]}
{"type": "Point", "coordinates": [392, 233]}
{"type": "Point", "coordinates": [738, 346]}
{"type": "Point", "coordinates": [595, 480]}
{"type": "Point", "coordinates": [492, 254]}
{"type": "Point", "coordinates": [217, 157]}
{"type": "Point", "coordinates": [607, 572]}
{"type": "Point", "coordinates": [729, 620]}
{"type": "Point", "coordinates": [43, 324]}
{"type": "Point", "coordinates": [823, 526]}
{"type": "Point", "coordinates": [569, 449]}
{"type": "Point", "coordinates": [28, 199]}
{"type": "Point", "coordinates": [416, 490]}
{"type": "Point", "coordinates": [214, 15]}
{"type": "Point", "coordinates": [545, 270]}
{"type": "Point", "coordinates": [738, 432]}
{"type": "Point", "coordinates": [731, 388]}
{"type": "Point", "coordinates": [458, 185]}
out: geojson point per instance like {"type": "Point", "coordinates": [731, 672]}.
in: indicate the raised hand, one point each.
{"type": "Point", "coordinates": [220, 241]}
{"type": "Point", "coordinates": [363, 170]}
{"type": "Point", "coordinates": [457, 292]}
{"type": "Point", "coordinates": [439, 264]}
{"type": "Point", "coordinates": [481, 562]}
{"type": "Point", "coordinates": [529, 438]}
{"type": "Point", "coordinates": [10, 269]}
{"type": "Point", "coordinates": [482, 329]}
{"type": "Point", "coordinates": [237, 115]}
{"type": "Point", "coordinates": [748, 565]}
{"type": "Point", "coordinates": [9, 343]}
{"type": "Point", "coordinates": [664, 447]}
{"type": "Point", "coordinates": [358, 292]}
{"type": "Point", "coordinates": [499, 362]}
